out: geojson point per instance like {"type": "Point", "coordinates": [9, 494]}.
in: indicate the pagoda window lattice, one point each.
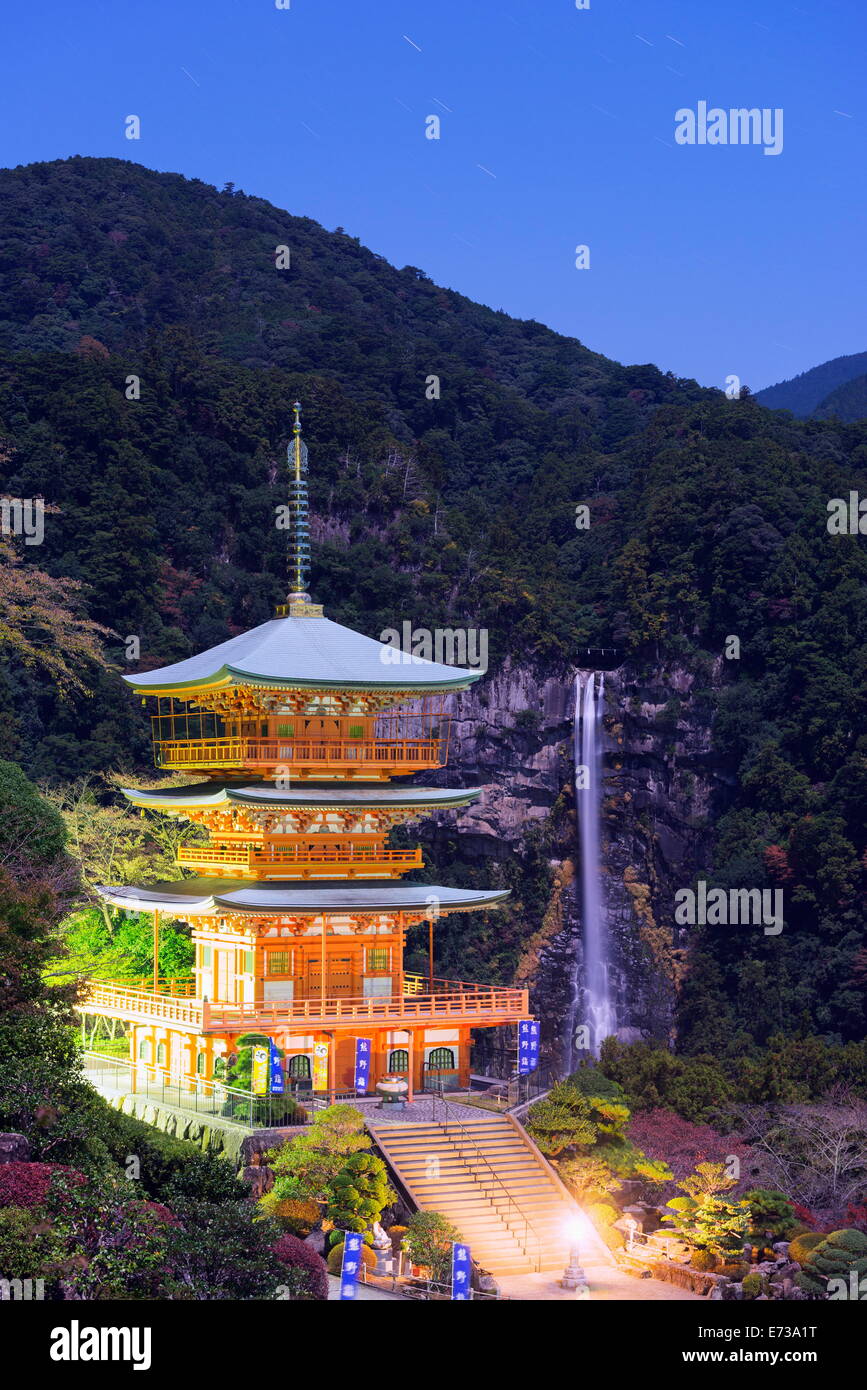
{"type": "Point", "coordinates": [201, 1063]}
{"type": "Point", "coordinates": [161, 1054]}
{"type": "Point", "coordinates": [441, 1059]}
{"type": "Point", "coordinates": [398, 1060]}
{"type": "Point", "coordinates": [144, 1050]}
{"type": "Point", "coordinates": [299, 1067]}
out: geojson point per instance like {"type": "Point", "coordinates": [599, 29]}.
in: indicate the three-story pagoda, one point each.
{"type": "Point", "coordinates": [297, 731]}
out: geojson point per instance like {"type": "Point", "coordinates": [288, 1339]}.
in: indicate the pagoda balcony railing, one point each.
{"type": "Point", "coordinates": [351, 754]}
{"type": "Point", "coordinates": [450, 1001]}
{"type": "Point", "coordinates": [288, 856]}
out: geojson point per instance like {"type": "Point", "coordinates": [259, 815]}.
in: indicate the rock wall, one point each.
{"type": "Point", "coordinates": [513, 735]}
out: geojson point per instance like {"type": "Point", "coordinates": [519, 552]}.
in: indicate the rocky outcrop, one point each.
{"type": "Point", "coordinates": [513, 735]}
{"type": "Point", "coordinates": [14, 1148]}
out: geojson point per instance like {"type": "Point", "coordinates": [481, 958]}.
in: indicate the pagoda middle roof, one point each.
{"type": "Point", "coordinates": [204, 897]}
{"type": "Point", "coordinates": [308, 652]}
{"type": "Point", "coordinates": [356, 796]}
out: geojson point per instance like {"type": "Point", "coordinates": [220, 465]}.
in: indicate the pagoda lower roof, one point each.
{"type": "Point", "coordinates": [354, 797]}
{"type": "Point", "coordinates": [207, 897]}
{"type": "Point", "coordinates": [308, 652]}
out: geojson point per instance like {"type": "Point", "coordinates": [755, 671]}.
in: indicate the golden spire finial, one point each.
{"type": "Point", "coordinates": [298, 602]}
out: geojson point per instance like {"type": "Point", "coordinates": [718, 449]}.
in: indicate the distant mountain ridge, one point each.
{"type": "Point", "coordinates": [816, 392]}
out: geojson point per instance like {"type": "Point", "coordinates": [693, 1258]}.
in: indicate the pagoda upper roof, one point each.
{"type": "Point", "coordinates": [310, 652]}
{"type": "Point", "coordinates": [207, 897]}
{"type": "Point", "coordinates": [354, 796]}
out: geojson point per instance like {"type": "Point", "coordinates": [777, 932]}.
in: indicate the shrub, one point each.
{"type": "Point", "coordinates": [838, 1256]}
{"type": "Point", "coordinates": [602, 1214]}
{"type": "Point", "coordinates": [703, 1261]}
{"type": "Point", "coordinates": [26, 1244]}
{"type": "Point", "coordinates": [306, 1272]}
{"type": "Point", "coordinates": [204, 1178]}
{"type": "Point", "coordinates": [335, 1258]}
{"type": "Point", "coordinates": [588, 1177]}
{"type": "Point", "coordinates": [27, 1184]}
{"type": "Point", "coordinates": [359, 1192]}
{"type": "Point", "coordinates": [306, 1166]}
{"type": "Point", "coordinates": [398, 1235]}
{"type": "Point", "coordinates": [753, 1285]}
{"type": "Point", "coordinates": [772, 1216]}
{"type": "Point", "coordinates": [801, 1246]}
{"type": "Point", "coordinates": [172, 1169]}
{"type": "Point", "coordinates": [222, 1251]}
{"type": "Point", "coordinates": [429, 1238]}
{"type": "Point", "coordinates": [609, 1112]}
{"type": "Point", "coordinates": [561, 1120]}
{"type": "Point", "coordinates": [292, 1214]}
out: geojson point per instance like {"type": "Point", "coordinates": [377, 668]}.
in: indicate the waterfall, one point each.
{"type": "Point", "coordinates": [593, 1005]}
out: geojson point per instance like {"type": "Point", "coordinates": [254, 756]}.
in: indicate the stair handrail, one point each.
{"type": "Point", "coordinates": [529, 1228]}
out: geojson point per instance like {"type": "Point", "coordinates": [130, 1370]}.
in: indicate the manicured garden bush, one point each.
{"type": "Point", "coordinates": [704, 1261]}
{"type": "Point", "coordinates": [561, 1121]}
{"type": "Point", "coordinates": [293, 1215]}
{"type": "Point", "coordinates": [306, 1274]}
{"type": "Point", "coordinates": [841, 1255]}
{"type": "Point", "coordinates": [772, 1216]}
{"type": "Point", "coordinates": [801, 1246]}
{"type": "Point", "coordinates": [335, 1258]}
{"type": "Point", "coordinates": [753, 1285]}
{"type": "Point", "coordinates": [307, 1165]}
{"type": "Point", "coordinates": [360, 1192]}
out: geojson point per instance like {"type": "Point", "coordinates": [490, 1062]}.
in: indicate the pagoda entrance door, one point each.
{"type": "Point", "coordinates": [338, 977]}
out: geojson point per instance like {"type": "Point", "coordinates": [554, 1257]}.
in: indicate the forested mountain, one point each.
{"type": "Point", "coordinates": [846, 402]}
{"type": "Point", "coordinates": [707, 516]}
{"type": "Point", "coordinates": [820, 391]}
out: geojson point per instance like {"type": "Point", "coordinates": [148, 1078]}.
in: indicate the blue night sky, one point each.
{"type": "Point", "coordinates": [557, 129]}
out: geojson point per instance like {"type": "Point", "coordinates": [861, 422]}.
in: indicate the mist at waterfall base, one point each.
{"type": "Point", "coordinates": [591, 1001]}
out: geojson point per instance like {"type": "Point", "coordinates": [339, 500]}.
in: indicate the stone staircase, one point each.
{"type": "Point", "coordinates": [491, 1182]}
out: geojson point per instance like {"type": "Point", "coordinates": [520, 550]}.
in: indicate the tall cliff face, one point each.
{"type": "Point", "coordinates": [514, 736]}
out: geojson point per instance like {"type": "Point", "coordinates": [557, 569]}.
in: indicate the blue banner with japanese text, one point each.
{"type": "Point", "coordinates": [528, 1046]}
{"type": "Point", "coordinates": [276, 1070]}
{"type": "Point", "coordinates": [362, 1063]}
{"type": "Point", "coordinates": [461, 1267]}
{"type": "Point", "coordinates": [350, 1266]}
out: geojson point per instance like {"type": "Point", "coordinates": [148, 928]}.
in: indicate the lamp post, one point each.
{"type": "Point", "coordinates": [573, 1275]}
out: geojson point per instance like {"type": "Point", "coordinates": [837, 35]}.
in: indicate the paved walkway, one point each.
{"type": "Point", "coordinates": [364, 1292]}
{"type": "Point", "coordinates": [424, 1110]}
{"type": "Point", "coordinates": [606, 1283]}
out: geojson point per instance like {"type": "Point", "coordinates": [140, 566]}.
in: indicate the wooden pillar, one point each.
{"type": "Point", "coordinates": [156, 951]}
{"type": "Point", "coordinates": [430, 953]}
{"type": "Point", "coordinates": [411, 1068]}
{"type": "Point", "coordinates": [330, 1038]}
{"type": "Point", "coordinates": [401, 946]}
{"type": "Point", "coordinates": [322, 981]}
